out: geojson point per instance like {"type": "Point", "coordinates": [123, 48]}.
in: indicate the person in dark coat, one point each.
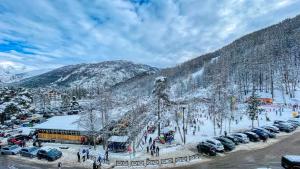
{"type": "Point", "coordinates": [87, 154]}
{"type": "Point", "coordinates": [225, 133]}
{"type": "Point", "coordinates": [59, 165]}
{"type": "Point", "coordinates": [106, 155]}
{"type": "Point", "coordinates": [147, 149]}
{"type": "Point", "coordinates": [94, 165]}
{"type": "Point", "coordinates": [78, 156]}
{"type": "Point", "coordinates": [157, 151]}
{"type": "Point", "coordinates": [150, 140]}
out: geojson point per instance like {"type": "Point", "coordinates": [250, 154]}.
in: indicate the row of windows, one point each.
{"type": "Point", "coordinates": [65, 132]}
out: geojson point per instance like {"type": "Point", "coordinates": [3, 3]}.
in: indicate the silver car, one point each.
{"type": "Point", "coordinates": [216, 144]}
{"type": "Point", "coordinates": [10, 150]}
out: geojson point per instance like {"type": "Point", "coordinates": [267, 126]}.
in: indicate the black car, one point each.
{"type": "Point", "coordinates": [252, 136]}
{"type": "Point", "coordinates": [50, 154]}
{"type": "Point", "coordinates": [262, 135]}
{"type": "Point", "coordinates": [272, 129]}
{"type": "Point", "coordinates": [228, 144]}
{"type": "Point", "coordinates": [280, 122]}
{"type": "Point", "coordinates": [270, 134]}
{"type": "Point", "coordinates": [295, 122]}
{"type": "Point", "coordinates": [290, 162]}
{"type": "Point", "coordinates": [206, 148]}
{"type": "Point", "coordinates": [233, 139]}
{"type": "Point", "coordinates": [284, 128]}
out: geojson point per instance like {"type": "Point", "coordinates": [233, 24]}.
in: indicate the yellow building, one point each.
{"type": "Point", "coordinates": [62, 129]}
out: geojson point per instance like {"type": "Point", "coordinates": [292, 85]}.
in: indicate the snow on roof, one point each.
{"type": "Point", "coordinates": [120, 139]}
{"type": "Point", "coordinates": [62, 123]}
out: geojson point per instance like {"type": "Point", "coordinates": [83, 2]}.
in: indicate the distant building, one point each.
{"type": "Point", "coordinates": [54, 95]}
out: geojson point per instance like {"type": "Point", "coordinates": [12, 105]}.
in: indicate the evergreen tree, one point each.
{"type": "Point", "coordinates": [253, 109]}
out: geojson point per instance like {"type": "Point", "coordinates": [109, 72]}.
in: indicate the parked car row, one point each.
{"type": "Point", "coordinates": [48, 153]}
{"type": "Point", "coordinates": [228, 143]}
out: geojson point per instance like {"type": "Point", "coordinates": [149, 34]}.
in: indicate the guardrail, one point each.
{"type": "Point", "coordinates": [158, 162]}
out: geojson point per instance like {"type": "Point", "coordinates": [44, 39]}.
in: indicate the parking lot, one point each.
{"type": "Point", "coordinates": [269, 156]}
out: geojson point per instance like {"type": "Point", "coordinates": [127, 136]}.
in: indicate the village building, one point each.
{"type": "Point", "coordinates": [64, 129]}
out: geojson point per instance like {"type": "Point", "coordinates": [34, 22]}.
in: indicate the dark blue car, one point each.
{"type": "Point", "coordinates": [262, 135]}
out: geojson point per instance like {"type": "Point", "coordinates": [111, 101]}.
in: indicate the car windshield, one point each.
{"type": "Point", "coordinates": [33, 149]}
{"type": "Point", "coordinates": [53, 152]}
{"type": "Point", "coordinates": [13, 147]}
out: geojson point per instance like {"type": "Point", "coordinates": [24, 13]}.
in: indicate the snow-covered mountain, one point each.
{"type": "Point", "coordinates": [103, 74]}
{"type": "Point", "coordinates": [10, 74]}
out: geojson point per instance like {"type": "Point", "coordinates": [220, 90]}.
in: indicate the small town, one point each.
{"type": "Point", "coordinates": [131, 84]}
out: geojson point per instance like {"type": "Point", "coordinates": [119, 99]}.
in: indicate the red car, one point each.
{"type": "Point", "coordinates": [14, 141]}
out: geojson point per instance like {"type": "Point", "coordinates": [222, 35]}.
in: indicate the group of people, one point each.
{"type": "Point", "coordinates": [83, 154]}
{"type": "Point", "coordinates": [154, 150]}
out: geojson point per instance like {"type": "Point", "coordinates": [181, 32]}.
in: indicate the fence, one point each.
{"type": "Point", "coordinates": [148, 162]}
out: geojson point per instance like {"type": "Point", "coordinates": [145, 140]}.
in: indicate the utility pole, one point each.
{"type": "Point", "coordinates": [183, 125]}
{"type": "Point", "coordinates": [158, 114]}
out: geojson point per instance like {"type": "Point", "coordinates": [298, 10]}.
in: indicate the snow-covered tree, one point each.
{"type": "Point", "coordinates": [253, 109]}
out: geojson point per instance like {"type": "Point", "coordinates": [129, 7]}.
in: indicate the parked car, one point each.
{"type": "Point", "coordinates": [217, 144]}
{"type": "Point", "coordinates": [272, 129]}
{"type": "Point", "coordinates": [294, 126]}
{"type": "Point", "coordinates": [50, 154]}
{"type": "Point", "coordinates": [262, 134]}
{"type": "Point", "coordinates": [227, 144]}
{"type": "Point", "coordinates": [241, 137]}
{"type": "Point", "coordinates": [252, 136]}
{"type": "Point", "coordinates": [294, 122]}
{"type": "Point", "coordinates": [206, 148]}
{"type": "Point", "coordinates": [10, 150]}
{"type": "Point", "coordinates": [5, 134]}
{"type": "Point", "coordinates": [22, 137]}
{"type": "Point", "coordinates": [285, 128]}
{"type": "Point", "coordinates": [270, 134]}
{"type": "Point", "coordinates": [29, 151]}
{"type": "Point", "coordinates": [233, 139]}
{"type": "Point", "coordinates": [290, 162]}
{"type": "Point", "coordinates": [14, 141]}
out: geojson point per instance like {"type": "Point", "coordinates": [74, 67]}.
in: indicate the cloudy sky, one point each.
{"type": "Point", "coordinates": [39, 34]}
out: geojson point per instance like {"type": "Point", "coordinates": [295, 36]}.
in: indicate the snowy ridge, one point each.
{"type": "Point", "coordinates": [103, 74]}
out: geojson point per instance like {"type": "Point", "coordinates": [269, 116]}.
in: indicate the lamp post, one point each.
{"type": "Point", "coordinates": [184, 139]}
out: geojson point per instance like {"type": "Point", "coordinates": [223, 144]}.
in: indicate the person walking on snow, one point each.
{"type": "Point", "coordinates": [59, 165]}
{"type": "Point", "coordinates": [157, 151]}
{"type": "Point", "coordinates": [106, 155]}
{"type": "Point", "coordinates": [87, 154]}
{"type": "Point", "coordinates": [78, 156]}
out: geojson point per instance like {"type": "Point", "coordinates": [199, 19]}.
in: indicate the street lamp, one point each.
{"type": "Point", "coordinates": [184, 139]}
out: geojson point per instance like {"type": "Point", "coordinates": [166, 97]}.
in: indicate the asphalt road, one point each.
{"type": "Point", "coordinates": [266, 157]}
{"type": "Point", "coordinates": [262, 158]}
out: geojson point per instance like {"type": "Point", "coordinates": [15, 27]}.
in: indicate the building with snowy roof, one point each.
{"type": "Point", "coordinates": [67, 129]}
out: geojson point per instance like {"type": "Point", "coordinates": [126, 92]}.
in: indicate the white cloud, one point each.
{"type": "Point", "coordinates": [157, 32]}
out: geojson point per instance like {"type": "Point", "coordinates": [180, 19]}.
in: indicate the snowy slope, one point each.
{"type": "Point", "coordinates": [103, 74]}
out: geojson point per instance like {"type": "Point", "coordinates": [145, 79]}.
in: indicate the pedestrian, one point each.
{"type": "Point", "coordinates": [225, 133]}
{"type": "Point", "coordinates": [94, 165]}
{"type": "Point", "coordinates": [87, 154]}
{"type": "Point", "coordinates": [83, 157]}
{"type": "Point", "coordinates": [152, 152]}
{"type": "Point", "coordinates": [99, 159]}
{"type": "Point", "coordinates": [59, 165]}
{"type": "Point", "coordinates": [157, 151]}
{"type": "Point", "coordinates": [145, 137]}
{"type": "Point", "coordinates": [78, 156]}
{"type": "Point", "coordinates": [150, 140]}
{"type": "Point", "coordinates": [106, 155]}
{"type": "Point", "coordinates": [147, 149]}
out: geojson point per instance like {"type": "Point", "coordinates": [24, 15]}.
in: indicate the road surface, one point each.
{"type": "Point", "coordinates": [267, 157]}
